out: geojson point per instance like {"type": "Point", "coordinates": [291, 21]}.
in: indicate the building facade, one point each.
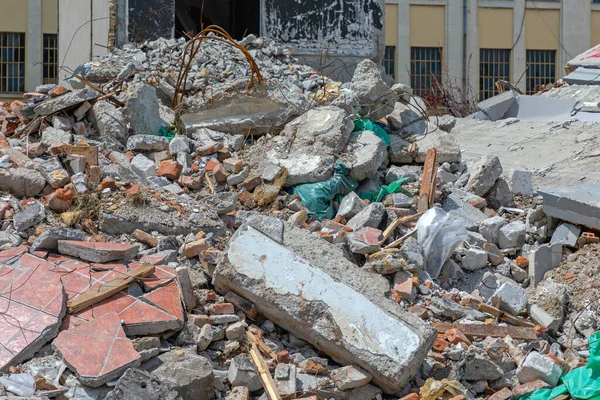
{"type": "Point", "coordinates": [28, 45]}
{"type": "Point", "coordinates": [474, 43]}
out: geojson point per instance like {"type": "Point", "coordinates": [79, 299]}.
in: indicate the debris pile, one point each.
{"type": "Point", "coordinates": [300, 238]}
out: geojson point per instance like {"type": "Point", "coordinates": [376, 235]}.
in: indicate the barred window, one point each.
{"type": "Point", "coordinates": [494, 65]}
{"type": "Point", "coordinates": [425, 67]}
{"type": "Point", "coordinates": [12, 62]}
{"type": "Point", "coordinates": [389, 61]}
{"type": "Point", "coordinates": [50, 63]}
{"type": "Point", "coordinates": [541, 69]}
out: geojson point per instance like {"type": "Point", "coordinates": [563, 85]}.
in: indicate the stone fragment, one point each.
{"type": "Point", "coordinates": [285, 380]}
{"type": "Point", "coordinates": [366, 153]}
{"type": "Point", "coordinates": [543, 259]}
{"type": "Point", "coordinates": [495, 256]}
{"type": "Point", "coordinates": [452, 310]}
{"type": "Point", "coordinates": [351, 205]}
{"type": "Point", "coordinates": [566, 234]}
{"type": "Point", "coordinates": [350, 377]}
{"type": "Point", "coordinates": [48, 240]}
{"type": "Point", "coordinates": [375, 97]}
{"type": "Point", "coordinates": [512, 235]}
{"type": "Point", "coordinates": [370, 216]}
{"type": "Point", "coordinates": [109, 122]}
{"type": "Point", "coordinates": [238, 178]}
{"type": "Point", "coordinates": [541, 317]}
{"type": "Point", "coordinates": [143, 166]}
{"type": "Point", "coordinates": [499, 195]}
{"type": "Point", "coordinates": [484, 174]}
{"type": "Point", "coordinates": [528, 388]}
{"type": "Point", "coordinates": [113, 353]}
{"type": "Point", "coordinates": [479, 366]}
{"type": "Point", "coordinates": [22, 182]}
{"type": "Point", "coordinates": [139, 384]}
{"type": "Point", "coordinates": [97, 252]}
{"type": "Point", "coordinates": [62, 123]}
{"type": "Point", "coordinates": [403, 285]}
{"type": "Point", "coordinates": [29, 217]}
{"type": "Point", "coordinates": [147, 142]}
{"type": "Point", "coordinates": [61, 200]}
{"type": "Point", "coordinates": [242, 373]}
{"type": "Point", "coordinates": [325, 283]}
{"type": "Point", "coordinates": [490, 228]}
{"type": "Point", "coordinates": [510, 298]}
{"type": "Point", "coordinates": [55, 137]}
{"type": "Point", "coordinates": [474, 259]}
{"type": "Point", "coordinates": [238, 393]}
{"type": "Point", "coordinates": [179, 144]}
{"type": "Point", "coordinates": [411, 172]}
{"type": "Point", "coordinates": [236, 331]}
{"type": "Point", "coordinates": [520, 182]}
{"type": "Point", "coordinates": [539, 366]}
{"type": "Point", "coordinates": [185, 287]}
{"type": "Point", "coordinates": [364, 240]}
{"type": "Point", "coordinates": [458, 209]}
{"type": "Point", "coordinates": [141, 109]}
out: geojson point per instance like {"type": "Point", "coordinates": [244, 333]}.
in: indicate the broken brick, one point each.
{"type": "Point", "coordinates": [170, 169]}
{"type": "Point", "coordinates": [221, 308]}
{"type": "Point", "coordinates": [403, 285]}
{"type": "Point", "coordinates": [220, 174]}
{"type": "Point", "coordinates": [250, 183]}
{"type": "Point", "coordinates": [248, 308]}
{"type": "Point", "coordinates": [233, 165]}
{"type": "Point", "coordinates": [145, 237]}
{"type": "Point", "coordinates": [57, 91]}
{"type": "Point", "coordinates": [97, 252]}
{"type": "Point", "coordinates": [209, 149]}
{"type": "Point", "coordinates": [107, 183]}
{"type": "Point", "coordinates": [193, 249]}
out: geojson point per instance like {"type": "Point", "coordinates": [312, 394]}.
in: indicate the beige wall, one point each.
{"type": "Point", "coordinates": [495, 28]}
{"type": "Point", "coordinates": [391, 24]}
{"type": "Point", "coordinates": [542, 29]}
{"type": "Point", "coordinates": [427, 26]}
{"type": "Point", "coordinates": [50, 16]}
{"type": "Point", "coordinates": [13, 17]}
{"type": "Point", "coordinates": [595, 28]}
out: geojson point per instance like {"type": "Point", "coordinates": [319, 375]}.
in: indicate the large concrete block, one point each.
{"type": "Point", "coordinates": [575, 204]}
{"type": "Point", "coordinates": [306, 286]}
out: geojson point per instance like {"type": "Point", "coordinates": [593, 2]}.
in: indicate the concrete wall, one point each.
{"type": "Point", "coordinates": [82, 34]}
{"type": "Point", "coordinates": [347, 30]}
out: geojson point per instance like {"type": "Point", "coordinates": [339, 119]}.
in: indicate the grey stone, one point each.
{"type": "Point", "coordinates": [400, 200]}
{"type": "Point", "coordinates": [22, 182]}
{"type": "Point", "coordinates": [512, 235]}
{"type": "Point", "coordinates": [458, 209]}
{"type": "Point", "coordinates": [520, 182]}
{"type": "Point", "coordinates": [324, 273]}
{"type": "Point", "coordinates": [285, 380]}
{"type": "Point", "coordinates": [476, 239]}
{"type": "Point", "coordinates": [143, 166]}
{"type": "Point", "coordinates": [542, 317]}
{"type": "Point", "coordinates": [29, 217]}
{"type": "Point", "coordinates": [479, 366]}
{"type": "Point", "coordinates": [205, 337]}
{"type": "Point", "coordinates": [371, 216]}
{"type": "Point", "coordinates": [543, 259]}
{"type": "Point", "coordinates": [566, 234]}
{"type": "Point", "coordinates": [585, 323]}
{"type": "Point", "coordinates": [511, 298]}
{"type": "Point", "coordinates": [236, 331]}
{"type": "Point", "coordinates": [65, 101]}
{"type": "Point", "coordinates": [62, 123]}
{"type": "Point", "coordinates": [446, 123]}
{"type": "Point", "coordinates": [55, 137]}
{"type": "Point", "coordinates": [367, 392]}
{"type": "Point", "coordinates": [366, 153]}
{"type": "Point", "coordinates": [185, 285]}
{"type": "Point", "coordinates": [496, 107]}
{"type": "Point", "coordinates": [574, 204]}
{"type": "Point", "coordinates": [446, 177]}
{"type": "Point", "coordinates": [147, 143]}
{"type": "Point", "coordinates": [450, 309]}
{"type": "Point", "coordinates": [499, 195]}
{"type": "Point", "coordinates": [179, 144]}
{"type": "Point", "coordinates": [518, 273]}
{"type": "Point", "coordinates": [358, 245]}
{"type": "Point", "coordinates": [350, 377]}
{"type": "Point", "coordinates": [242, 373]}
{"type": "Point", "coordinates": [136, 384]}
{"type": "Point", "coordinates": [10, 237]}
{"type": "Point", "coordinates": [189, 374]}
{"type": "Point", "coordinates": [538, 366]}
{"type": "Point", "coordinates": [48, 240]}
{"type": "Point", "coordinates": [474, 259]}
{"type": "Point", "coordinates": [395, 173]}
{"type": "Point", "coordinates": [109, 122]}
{"type": "Point", "coordinates": [484, 174]}
{"type": "Point", "coordinates": [447, 146]}
{"type": "Point", "coordinates": [351, 205]}
{"type": "Point", "coordinates": [490, 228]}
{"type": "Point", "coordinates": [141, 109]}
{"type": "Point", "coordinates": [375, 97]}
{"type": "Point", "coordinates": [413, 252]}
{"type": "Point", "coordinates": [236, 179]}
{"type": "Point", "coordinates": [495, 256]}
{"type": "Point", "coordinates": [269, 171]}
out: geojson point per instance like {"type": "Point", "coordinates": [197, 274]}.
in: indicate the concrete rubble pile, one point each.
{"type": "Point", "coordinates": [138, 261]}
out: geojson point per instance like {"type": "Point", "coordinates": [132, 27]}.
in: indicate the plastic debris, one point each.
{"type": "Point", "coordinates": [19, 384]}
{"type": "Point", "coordinates": [368, 125]}
{"type": "Point", "coordinates": [433, 389]}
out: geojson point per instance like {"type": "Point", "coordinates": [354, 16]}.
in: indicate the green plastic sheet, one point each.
{"type": "Point", "coordinates": [165, 132]}
{"type": "Point", "coordinates": [582, 383]}
{"type": "Point", "coordinates": [318, 197]}
{"type": "Point", "coordinates": [395, 187]}
{"type": "Point", "coordinates": [368, 125]}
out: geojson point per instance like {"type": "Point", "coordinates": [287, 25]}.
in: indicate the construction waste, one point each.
{"type": "Point", "coordinates": [259, 231]}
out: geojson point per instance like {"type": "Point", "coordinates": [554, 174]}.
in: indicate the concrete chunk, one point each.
{"type": "Point", "coordinates": [511, 298]}
{"type": "Point", "coordinates": [519, 182]}
{"type": "Point", "coordinates": [575, 204]}
{"type": "Point", "coordinates": [566, 234]}
{"type": "Point", "coordinates": [313, 305]}
{"type": "Point", "coordinates": [48, 240]}
{"type": "Point", "coordinates": [22, 182]}
{"type": "Point", "coordinates": [367, 152]}
{"type": "Point", "coordinates": [490, 228]}
{"type": "Point", "coordinates": [351, 205]}
{"type": "Point", "coordinates": [369, 217]}
{"type": "Point", "coordinates": [350, 377]}
{"type": "Point", "coordinates": [512, 235]}
{"type": "Point", "coordinates": [538, 366]}
{"type": "Point", "coordinates": [484, 174]}
{"type": "Point", "coordinates": [97, 252]}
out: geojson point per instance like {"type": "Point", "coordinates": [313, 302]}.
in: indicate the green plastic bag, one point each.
{"type": "Point", "coordinates": [318, 197]}
{"type": "Point", "coordinates": [395, 187]}
{"type": "Point", "coordinates": [165, 132]}
{"type": "Point", "coordinates": [582, 383]}
{"type": "Point", "coordinates": [368, 125]}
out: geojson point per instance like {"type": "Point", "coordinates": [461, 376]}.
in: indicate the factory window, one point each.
{"type": "Point", "coordinates": [541, 69]}
{"type": "Point", "coordinates": [389, 61]}
{"type": "Point", "coordinates": [50, 59]}
{"type": "Point", "coordinates": [425, 68]}
{"type": "Point", "coordinates": [494, 65]}
{"type": "Point", "coordinates": [12, 62]}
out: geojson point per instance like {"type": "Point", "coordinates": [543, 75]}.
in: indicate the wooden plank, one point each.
{"type": "Point", "coordinates": [102, 292]}
{"type": "Point", "coordinates": [261, 345]}
{"type": "Point", "coordinates": [397, 222]}
{"type": "Point", "coordinates": [263, 373]}
{"type": "Point", "coordinates": [427, 192]}
{"type": "Point", "coordinates": [511, 319]}
{"type": "Point", "coordinates": [495, 331]}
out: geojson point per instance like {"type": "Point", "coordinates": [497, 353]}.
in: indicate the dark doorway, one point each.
{"type": "Point", "coordinates": [238, 17]}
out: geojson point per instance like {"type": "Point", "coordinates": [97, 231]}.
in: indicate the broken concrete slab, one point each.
{"type": "Point", "coordinates": [316, 301]}
{"type": "Point", "coordinates": [539, 366]}
{"type": "Point", "coordinates": [370, 216]}
{"type": "Point", "coordinates": [520, 182]}
{"type": "Point", "coordinates": [575, 204]}
{"type": "Point", "coordinates": [147, 142]}
{"type": "Point", "coordinates": [496, 107]}
{"type": "Point", "coordinates": [68, 100]}
{"type": "Point", "coordinates": [566, 234]}
{"type": "Point", "coordinates": [351, 205]}
{"type": "Point", "coordinates": [113, 352]}
{"type": "Point", "coordinates": [366, 153]}
{"type": "Point", "coordinates": [511, 298]}
{"type": "Point", "coordinates": [457, 209]}
{"type": "Point", "coordinates": [139, 384]}
{"type": "Point", "coordinates": [375, 97]}
{"type": "Point", "coordinates": [141, 109]}
{"type": "Point", "coordinates": [29, 217]}
{"type": "Point", "coordinates": [22, 182]}
{"type": "Point", "coordinates": [543, 259]}
{"type": "Point", "coordinates": [98, 252]}
{"type": "Point", "coordinates": [48, 240]}
{"type": "Point", "coordinates": [109, 122]}
{"type": "Point", "coordinates": [483, 175]}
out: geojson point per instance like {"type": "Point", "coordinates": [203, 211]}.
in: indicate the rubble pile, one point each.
{"type": "Point", "coordinates": [303, 238]}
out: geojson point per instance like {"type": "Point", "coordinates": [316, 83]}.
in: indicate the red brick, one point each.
{"type": "Point", "coordinates": [190, 182]}
{"type": "Point", "coordinates": [193, 249]}
{"type": "Point", "coordinates": [209, 149]}
{"type": "Point", "coordinates": [161, 156]}
{"type": "Point", "coordinates": [133, 190]}
{"type": "Point", "coordinates": [4, 142]}
{"type": "Point", "coordinates": [403, 284]}
{"type": "Point", "coordinates": [421, 312]}
{"type": "Point", "coordinates": [169, 169]}
{"type": "Point", "coordinates": [145, 237]}
{"type": "Point", "coordinates": [440, 345]}
{"type": "Point", "coordinates": [522, 261]}
{"type": "Point", "coordinates": [503, 394]}
{"type": "Point", "coordinates": [220, 174]}
{"type": "Point", "coordinates": [223, 155]}
{"type": "Point", "coordinates": [250, 183]}
{"type": "Point", "coordinates": [233, 165]}
{"type": "Point", "coordinates": [57, 91]}
{"type": "Point", "coordinates": [221, 308]}
{"type": "Point", "coordinates": [528, 388]}
{"type": "Point", "coordinates": [455, 336]}
{"type": "Point", "coordinates": [199, 320]}
{"type": "Point", "coordinates": [248, 308]}
{"type": "Point", "coordinates": [412, 396]}
{"type": "Point", "coordinates": [107, 183]}
{"type": "Point", "coordinates": [211, 164]}
{"type": "Point", "coordinates": [94, 174]}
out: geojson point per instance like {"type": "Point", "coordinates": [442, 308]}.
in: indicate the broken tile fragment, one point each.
{"type": "Point", "coordinates": [97, 252]}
